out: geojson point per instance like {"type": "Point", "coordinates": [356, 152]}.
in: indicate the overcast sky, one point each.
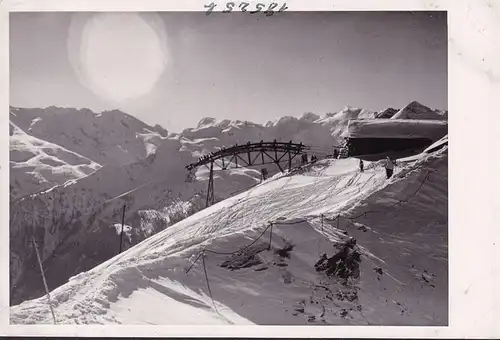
{"type": "Point", "coordinates": [173, 69]}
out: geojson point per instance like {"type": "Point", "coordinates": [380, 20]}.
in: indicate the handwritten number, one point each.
{"type": "Point", "coordinates": [270, 11]}
{"type": "Point", "coordinates": [244, 6]}
{"type": "Point", "coordinates": [210, 7]}
{"type": "Point", "coordinates": [259, 7]}
{"type": "Point", "coordinates": [229, 7]}
{"type": "Point", "coordinates": [283, 8]}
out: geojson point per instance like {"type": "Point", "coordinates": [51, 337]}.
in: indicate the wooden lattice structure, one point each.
{"type": "Point", "coordinates": [248, 155]}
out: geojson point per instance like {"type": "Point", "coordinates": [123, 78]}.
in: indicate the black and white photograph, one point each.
{"type": "Point", "coordinates": [252, 166]}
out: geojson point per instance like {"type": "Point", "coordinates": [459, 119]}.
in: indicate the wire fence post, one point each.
{"type": "Point", "coordinates": [208, 283]}
{"type": "Point", "coordinates": [121, 233]}
{"type": "Point", "coordinates": [270, 235]}
{"type": "Point", "coordinates": [44, 280]}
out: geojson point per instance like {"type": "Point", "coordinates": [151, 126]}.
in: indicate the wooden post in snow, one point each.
{"type": "Point", "coordinates": [43, 277]}
{"type": "Point", "coordinates": [123, 223]}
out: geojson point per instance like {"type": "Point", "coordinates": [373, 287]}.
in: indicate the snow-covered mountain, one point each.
{"type": "Point", "coordinates": [260, 257]}
{"type": "Point", "coordinates": [76, 224]}
{"type": "Point", "coordinates": [415, 110]}
{"type": "Point", "coordinates": [110, 137]}
{"type": "Point", "coordinates": [37, 165]}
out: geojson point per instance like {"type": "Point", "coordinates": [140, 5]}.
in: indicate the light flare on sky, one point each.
{"type": "Point", "coordinates": [118, 56]}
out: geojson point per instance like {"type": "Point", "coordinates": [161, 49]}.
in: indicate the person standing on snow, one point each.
{"type": "Point", "coordinates": [389, 167]}
{"type": "Point", "coordinates": [263, 174]}
{"type": "Point", "coordinates": [361, 165]}
{"type": "Point", "coordinates": [304, 159]}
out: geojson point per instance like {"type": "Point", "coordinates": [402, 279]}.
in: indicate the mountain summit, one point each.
{"type": "Point", "coordinates": [415, 110]}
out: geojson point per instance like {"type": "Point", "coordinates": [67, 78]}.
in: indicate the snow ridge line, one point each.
{"type": "Point", "coordinates": [203, 252]}
{"type": "Point", "coordinates": [363, 214]}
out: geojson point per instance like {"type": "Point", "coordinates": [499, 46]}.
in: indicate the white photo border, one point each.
{"type": "Point", "coordinates": [474, 163]}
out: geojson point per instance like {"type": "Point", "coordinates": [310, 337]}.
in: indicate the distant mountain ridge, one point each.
{"type": "Point", "coordinates": [110, 137]}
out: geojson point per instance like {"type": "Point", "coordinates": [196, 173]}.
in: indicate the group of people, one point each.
{"type": "Point", "coordinates": [388, 165]}
{"type": "Point", "coordinates": [304, 159]}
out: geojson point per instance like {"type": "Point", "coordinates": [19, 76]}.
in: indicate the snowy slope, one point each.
{"type": "Point", "coordinates": [73, 223]}
{"type": "Point", "coordinates": [402, 274]}
{"type": "Point", "coordinates": [37, 165]}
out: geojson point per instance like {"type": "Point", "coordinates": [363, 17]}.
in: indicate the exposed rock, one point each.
{"type": "Point", "coordinates": [344, 264]}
